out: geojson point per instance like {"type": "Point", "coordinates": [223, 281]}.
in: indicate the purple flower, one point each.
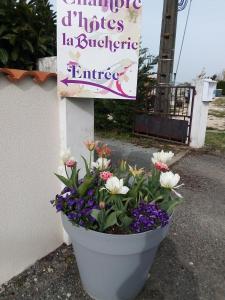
{"type": "Point", "coordinates": [90, 203]}
{"type": "Point", "coordinates": [90, 192]}
{"type": "Point", "coordinates": [86, 211]}
{"type": "Point", "coordinates": [71, 202]}
{"type": "Point", "coordinates": [59, 206]}
{"type": "Point", "coordinates": [73, 191]}
{"type": "Point", "coordinates": [59, 197]}
{"type": "Point", "coordinates": [79, 204]}
{"type": "Point", "coordinates": [147, 217]}
{"type": "Point", "coordinates": [71, 216]}
{"type": "Point", "coordinates": [91, 219]}
{"type": "Point", "coordinates": [66, 190]}
{"type": "Point", "coordinates": [81, 223]}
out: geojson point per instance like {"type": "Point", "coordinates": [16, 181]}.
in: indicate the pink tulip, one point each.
{"type": "Point", "coordinates": [102, 205]}
{"type": "Point", "coordinates": [161, 167]}
{"type": "Point", "coordinates": [71, 163]}
{"type": "Point", "coordinates": [105, 175]}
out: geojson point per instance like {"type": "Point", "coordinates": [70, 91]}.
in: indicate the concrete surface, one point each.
{"type": "Point", "coordinates": [132, 153]}
{"type": "Point", "coordinates": [190, 264]}
{"type": "Point", "coordinates": [29, 155]}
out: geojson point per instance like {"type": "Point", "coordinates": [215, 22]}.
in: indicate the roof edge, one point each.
{"type": "Point", "coordinates": [16, 75]}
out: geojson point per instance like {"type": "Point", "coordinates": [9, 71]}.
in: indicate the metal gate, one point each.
{"type": "Point", "coordinates": [166, 113]}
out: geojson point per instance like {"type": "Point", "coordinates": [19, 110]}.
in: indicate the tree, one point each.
{"type": "Point", "coordinates": [27, 32]}
{"type": "Point", "coordinates": [221, 86]}
{"type": "Point", "coordinates": [118, 114]}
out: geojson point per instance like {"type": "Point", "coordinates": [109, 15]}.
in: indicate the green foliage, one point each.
{"type": "Point", "coordinates": [87, 184]}
{"type": "Point", "coordinates": [27, 32]}
{"type": "Point", "coordinates": [72, 181]}
{"type": "Point", "coordinates": [221, 85]}
{"type": "Point", "coordinates": [64, 180]}
{"type": "Point", "coordinates": [104, 218]}
{"type": "Point", "coordinates": [113, 204]}
{"type": "Point", "coordinates": [117, 114]}
{"type": "Point", "coordinates": [215, 140]}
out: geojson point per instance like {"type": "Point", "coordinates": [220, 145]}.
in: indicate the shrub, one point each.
{"type": "Point", "coordinates": [221, 85]}
{"type": "Point", "coordinates": [27, 32]}
{"type": "Point", "coordinates": [118, 114]}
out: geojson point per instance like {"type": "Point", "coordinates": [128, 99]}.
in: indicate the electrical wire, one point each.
{"type": "Point", "coordinates": [182, 43]}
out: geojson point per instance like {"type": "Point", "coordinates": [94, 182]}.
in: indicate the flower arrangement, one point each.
{"type": "Point", "coordinates": [121, 200]}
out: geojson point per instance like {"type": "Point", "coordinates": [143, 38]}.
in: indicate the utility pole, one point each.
{"type": "Point", "coordinates": [166, 53]}
{"type": "Point", "coordinates": [167, 42]}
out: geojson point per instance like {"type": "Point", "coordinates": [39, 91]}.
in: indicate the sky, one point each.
{"type": "Point", "coordinates": [204, 45]}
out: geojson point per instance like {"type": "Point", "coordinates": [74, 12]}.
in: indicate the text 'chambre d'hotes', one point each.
{"type": "Point", "coordinates": [76, 18]}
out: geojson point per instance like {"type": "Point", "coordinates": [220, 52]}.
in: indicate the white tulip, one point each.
{"type": "Point", "coordinates": [169, 180]}
{"type": "Point", "coordinates": [115, 186]}
{"type": "Point", "coordinates": [162, 157]}
{"type": "Point", "coordinates": [66, 155]}
{"type": "Point", "coordinates": [101, 164]}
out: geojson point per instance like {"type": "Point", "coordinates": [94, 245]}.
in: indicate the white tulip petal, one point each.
{"type": "Point", "coordinates": [101, 164]}
{"type": "Point", "coordinates": [169, 180]}
{"type": "Point", "coordinates": [162, 156]}
{"type": "Point", "coordinates": [124, 190]}
{"type": "Point", "coordinates": [115, 186]}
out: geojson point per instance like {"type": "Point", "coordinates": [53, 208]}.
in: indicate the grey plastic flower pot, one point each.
{"type": "Point", "coordinates": [114, 267]}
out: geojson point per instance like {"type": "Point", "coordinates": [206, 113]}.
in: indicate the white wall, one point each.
{"type": "Point", "coordinates": [76, 126]}
{"type": "Point", "coordinates": [29, 154]}
{"type": "Point", "coordinates": [205, 89]}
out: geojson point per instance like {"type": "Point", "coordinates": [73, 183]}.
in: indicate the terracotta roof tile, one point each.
{"type": "Point", "coordinates": [17, 75]}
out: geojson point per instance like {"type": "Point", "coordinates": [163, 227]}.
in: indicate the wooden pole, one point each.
{"type": "Point", "coordinates": [167, 42]}
{"type": "Point", "coordinates": [166, 53]}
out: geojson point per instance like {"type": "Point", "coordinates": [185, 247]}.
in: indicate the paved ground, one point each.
{"type": "Point", "coordinates": [190, 264]}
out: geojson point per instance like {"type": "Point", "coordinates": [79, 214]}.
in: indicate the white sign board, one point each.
{"type": "Point", "coordinates": [98, 47]}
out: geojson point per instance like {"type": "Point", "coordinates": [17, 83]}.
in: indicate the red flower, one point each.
{"type": "Point", "coordinates": [103, 151]}
{"type": "Point", "coordinates": [161, 167]}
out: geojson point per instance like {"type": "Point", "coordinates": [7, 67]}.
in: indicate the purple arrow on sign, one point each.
{"type": "Point", "coordinates": [67, 81]}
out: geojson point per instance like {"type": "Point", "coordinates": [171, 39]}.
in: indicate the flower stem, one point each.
{"type": "Point", "coordinates": [66, 172]}
{"type": "Point", "coordinates": [90, 159]}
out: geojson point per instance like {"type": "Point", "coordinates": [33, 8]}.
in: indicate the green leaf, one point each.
{"type": "Point", "coordinates": [173, 203]}
{"type": "Point", "coordinates": [43, 47]}
{"type": "Point", "coordinates": [126, 221]}
{"type": "Point", "coordinates": [14, 54]}
{"type": "Point", "coordinates": [3, 56]}
{"type": "Point", "coordinates": [95, 213]}
{"type": "Point", "coordinates": [28, 45]}
{"type": "Point", "coordinates": [74, 176]}
{"type": "Point", "coordinates": [111, 220]}
{"type": "Point", "coordinates": [2, 29]}
{"type": "Point", "coordinates": [86, 165]}
{"type": "Point", "coordinates": [116, 201]}
{"type": "Point", "coordinates": [135, 190]}
{"type": "Point", "coordinates": [88, 181]}
{"type": "Point", "coordinates": [64, 180]}
{"type": "Point", "coordinates": [10, 37]}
